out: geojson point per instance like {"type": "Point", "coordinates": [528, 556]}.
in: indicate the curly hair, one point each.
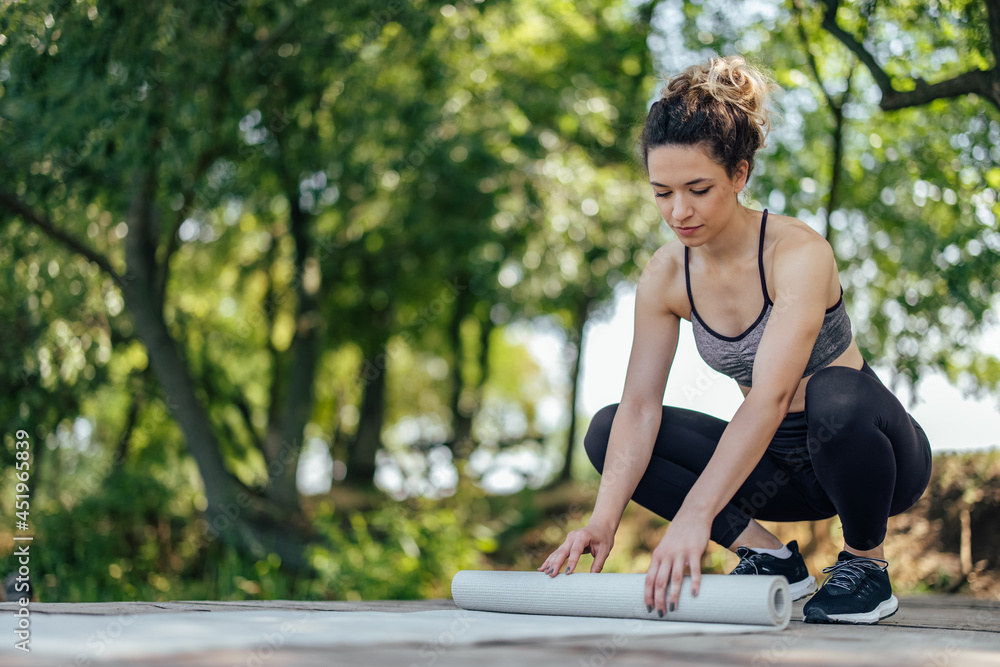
{"type": "Point", "coordinates": [720, 104]}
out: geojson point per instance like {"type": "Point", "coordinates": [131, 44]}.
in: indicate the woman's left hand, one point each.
{"type": "Point", "coordinates": [682, 545]}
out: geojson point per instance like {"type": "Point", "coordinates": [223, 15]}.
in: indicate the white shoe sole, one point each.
{"type": "Point", "coordinates": [886, 608]}
{"type": "Point", "coordinates": [800, 589]}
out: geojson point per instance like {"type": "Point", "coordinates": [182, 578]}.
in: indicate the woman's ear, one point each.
{"type": "Point", "coordinates": [740, 176]}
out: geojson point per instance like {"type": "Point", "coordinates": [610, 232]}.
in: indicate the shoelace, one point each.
{"type": "Point", "coordinates": [847, 574]}
{"type": "Point", "coordinates": [748, 559]}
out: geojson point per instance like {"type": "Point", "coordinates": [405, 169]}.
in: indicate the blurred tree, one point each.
{"type": "Point", "coordinates": [255, 214]}
{"type": "Point", "coordinates": [908, 197]}
{"type": "Point", "coordinates": [522, 159]}
{"type": "Point", "coordinates": [571, 96]}
{"type": "Point", "coordinates": [133, 128]}
{"type": "Point", "coordinates": [932, 284]}
{"type": "Point", "coordinates": [978, 37]}
{"type": "Point", "coordinates": [285, 223]}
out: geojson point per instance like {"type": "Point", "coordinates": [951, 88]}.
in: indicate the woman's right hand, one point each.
{"type": "Point", "coordinates": [596, 540]}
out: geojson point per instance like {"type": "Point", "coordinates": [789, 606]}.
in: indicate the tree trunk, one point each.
{"type": "Point", "coordinates": [582, 312]}
{"type": "Point", "coordinates": [165, 358]}
{"type": "Point", "coordinates": [461, 419]}
{"type": "Point", "coordinates": [837, 109]}
{"type": "Point", "coordinates": [368, 438]}
{"type": "Point", "coordinates": [283, 445]}
{"type": "Point", "coordinates": [464, 428]}
{"type": "Point", "coordinates": [339, 442]}
{"type": "Point", "coordinates": [233, 513]}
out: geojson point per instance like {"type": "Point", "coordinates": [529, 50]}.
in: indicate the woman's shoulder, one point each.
{"type": "Point", "coordinates": [662, 278]}
{"type": "Point", "coordinates": [787, 234]}
{"type": "Point", "coordinates": [796, 249]}
{"type": "Point", "coordinates": [666, 264]}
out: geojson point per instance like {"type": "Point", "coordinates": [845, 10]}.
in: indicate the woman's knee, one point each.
{"type": "Point", "coordinates": [595, 442]}
{"type": "Point", "coordinates": [839, 406]}
{"type": "Point", "coordinates": [839, 398]}
{"type": "Point", "coordinates": [835, 386]}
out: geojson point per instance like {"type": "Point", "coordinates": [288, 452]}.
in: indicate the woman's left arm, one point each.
{"type": "Point", "coordinates": [802, 269]}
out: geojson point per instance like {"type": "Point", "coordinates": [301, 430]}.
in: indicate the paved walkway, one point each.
{"type": "Point", "coordinates": [928, 631]}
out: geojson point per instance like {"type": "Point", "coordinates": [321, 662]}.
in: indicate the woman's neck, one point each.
{"type": "Point", "coordinates": [735, 242]}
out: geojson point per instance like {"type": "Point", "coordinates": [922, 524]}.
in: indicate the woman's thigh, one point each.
{"type": "Point", "coordinates": [777, 489]}
{"type": "Point", "coordinates": [863, 441]}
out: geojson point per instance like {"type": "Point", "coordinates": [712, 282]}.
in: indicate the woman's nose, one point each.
{"type": "Point", "coordinates": [682, 207]}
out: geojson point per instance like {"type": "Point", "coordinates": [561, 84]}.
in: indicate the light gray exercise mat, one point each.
{"type": "Point", "coordinates": [91, 638]}
{"type": "Point", "coordinates": [752, 600]}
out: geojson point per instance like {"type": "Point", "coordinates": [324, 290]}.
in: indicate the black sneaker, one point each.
{"type": "Point", "coordinates": [857, 591]}
{"type": "Point", "coordinates": [792, 568]}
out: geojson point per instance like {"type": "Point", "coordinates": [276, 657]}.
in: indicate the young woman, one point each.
{"type": "Point", "coordinates": [817, 435]}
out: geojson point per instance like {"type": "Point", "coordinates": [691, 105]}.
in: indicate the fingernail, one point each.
{"type": "Point", "coordinates": [672, 606]}
{"type": "Point", "coordinates": [649, 608]}
{"type": "Point", "coordinates": [660, 612]}
{"type": "Point", "coordinates": [567, 569]}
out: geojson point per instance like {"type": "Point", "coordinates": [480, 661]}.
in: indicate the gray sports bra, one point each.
{"type": "Point", "coordinates": [734, 355]}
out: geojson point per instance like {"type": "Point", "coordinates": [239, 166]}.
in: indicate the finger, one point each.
{"type": "Point", "coordinates": [676, 579]}
{"type": "Point", "coordinates": [650, 587]}
{"type": "Point", "coordinates": [574, 555]}
{"type": "Point", "coordinates": [600, 555]}
{"type": "Point", "coordinates": [555, 559]}
{"type": "Point", "coordinates": [695, 577]}
{"type": "Point", "coordinates": [547, 565]}
{"type": "Point", "coordinates": [660, 587]}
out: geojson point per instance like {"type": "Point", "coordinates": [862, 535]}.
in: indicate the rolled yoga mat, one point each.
{"type": "Point", "coordinates": [748, 599]}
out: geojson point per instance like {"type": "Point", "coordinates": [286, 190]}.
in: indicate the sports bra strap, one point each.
{"type": "Point", "coordinates": [760, 266]}
{"type": "Point", "coordinates": [760, 260]}
{"type": "Point", "coordinates": [687, 278]}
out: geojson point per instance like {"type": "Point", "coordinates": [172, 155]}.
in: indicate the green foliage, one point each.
{"type": "Point", "coordinates": [415, 169]}
{"type": "Point", "coordinates": [398, 550]}
{"type": "Point", "coordinates": [127, 539]}
{"type": "Point", "coordinates": [915, 213]}
{"type": "Point", "coordinates": [133, 539]}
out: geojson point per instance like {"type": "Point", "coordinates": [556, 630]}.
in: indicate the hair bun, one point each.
{"type": "Point", "coordinates": [727, 80]}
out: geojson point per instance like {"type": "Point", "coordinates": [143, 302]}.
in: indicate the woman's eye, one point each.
{"type": "Point", "coordinates": [697, 192]}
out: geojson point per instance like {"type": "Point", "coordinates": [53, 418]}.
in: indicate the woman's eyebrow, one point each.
{"type": "Point", "coordinates": [697, 180]}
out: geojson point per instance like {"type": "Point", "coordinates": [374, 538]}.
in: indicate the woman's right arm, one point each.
{"type": "Point", "coordinates": [637, 420]}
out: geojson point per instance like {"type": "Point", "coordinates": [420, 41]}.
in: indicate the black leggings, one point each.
{"type": "Point", "coordinates": [854, 452]}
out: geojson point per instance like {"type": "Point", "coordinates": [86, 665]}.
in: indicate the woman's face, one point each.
{"type": "Point", "coordinates": [694, 194]}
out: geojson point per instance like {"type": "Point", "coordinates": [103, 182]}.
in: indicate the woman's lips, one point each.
{"type": "Point", "coordinates": [687, 231]}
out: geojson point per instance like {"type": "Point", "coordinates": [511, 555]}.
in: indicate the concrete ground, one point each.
{"type": "Point", "coordinates": [927, 631]}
